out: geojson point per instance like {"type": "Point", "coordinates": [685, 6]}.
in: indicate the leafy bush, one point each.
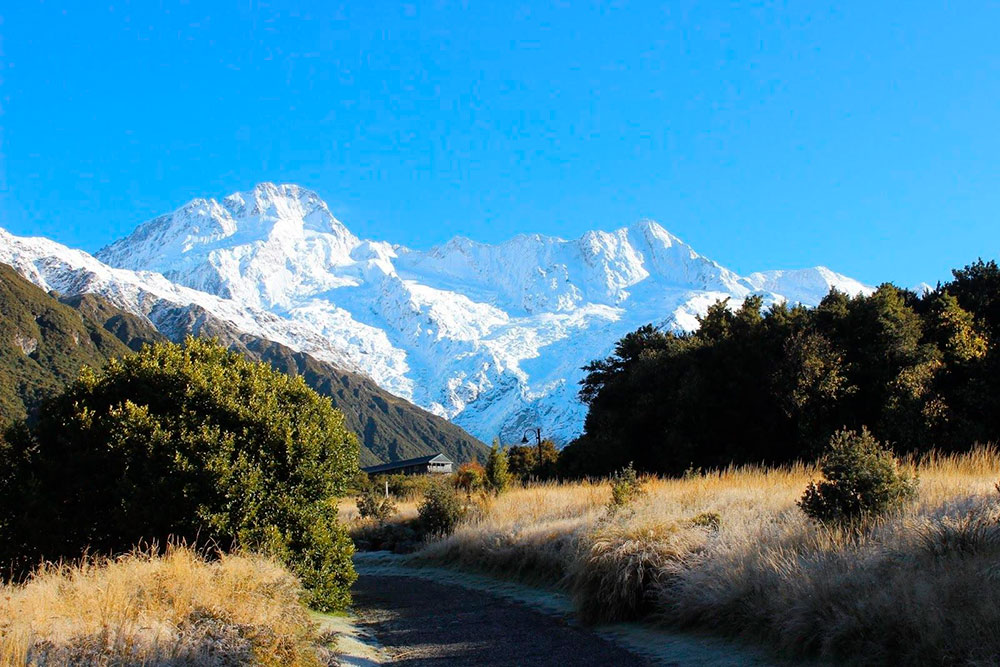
{"type": "Point", "coordinates": [186, 442]}
{"type": "Point", "coordinates": [625, 487]}
{"type": "Point", "coordinates": [497, 473]}
{"type": "Point", "coordinates": [469, 477]}
{"type": "Point", "coordinates": [862, 479]}
{"type": "Point", "coordinates": [374, 505]}
{"type": "Point", "coordinates": [441, 510]}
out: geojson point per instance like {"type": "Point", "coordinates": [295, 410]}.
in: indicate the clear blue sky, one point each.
{"type": "Point", "coordinates": [860, 136]}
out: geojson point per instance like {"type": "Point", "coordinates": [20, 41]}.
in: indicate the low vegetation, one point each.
{"type": "Point", "coordinates": [403, 524]}
{"type": "Point", "coordinates": [625, 488]}
{"type": "Point", "coordinates": [469, 478]}
{"type": "Point", "coordinates": [376, 506]}
{"type": "Point", "coordinates": [732, 552]}
{"type": "Point", "coordinates": [185, 442]}
{"type": "Point", "coordinates": [160, 610]}
{"type": "Point", "coordinates": [441, 510]}
{"type": "Point", "coordinates": [861, 480]}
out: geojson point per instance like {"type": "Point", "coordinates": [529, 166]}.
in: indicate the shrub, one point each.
{"type": "Point", "coordinates": [469, 477]}
{"type": "Point", "coordinates": [374, 505]}
{"type": "Point", "coordinates": [441, 510]}
{"type": "Point", "coordinates": [861, 479]}
{"type": "Point", "coordinates": [497, 472]}
{"type": "Point", "coordinates": [710, 520]}
{"type": "Point", "coordinates": [404, 487]}
{"type": "Point", "coordinates": [188, 442]}
{"type": "Point", "coordinates": [399, 537]}
{"type": "Point", "coordinates": [625, 487]}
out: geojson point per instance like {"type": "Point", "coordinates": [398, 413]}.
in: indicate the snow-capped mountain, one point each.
{"type": "Point", "coordinates": [173, 309]}
{"type": "Point", "coordinates": [490, 336]}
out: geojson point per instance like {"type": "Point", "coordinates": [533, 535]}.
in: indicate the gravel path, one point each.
{"type": "Point", "coordinates": [420, 622]}
{"type": "Point", "coordinates": [423, 614]}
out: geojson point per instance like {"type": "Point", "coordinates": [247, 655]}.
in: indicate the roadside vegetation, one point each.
{"type": "Point", "coordinates": [151, 609]}
{"type": "Point", "coordinates": [191, 443]}
{"type": "Point", "coordinates": [805, 478]}
{"type": "Point", "coordinates": [732, 552]}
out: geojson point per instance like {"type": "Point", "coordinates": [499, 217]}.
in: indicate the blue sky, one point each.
{"type": "Point", "coordinates": [857, 135]}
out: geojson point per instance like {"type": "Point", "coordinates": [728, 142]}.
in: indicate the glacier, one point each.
{"type": "Point", "coordinates": [492, 337]}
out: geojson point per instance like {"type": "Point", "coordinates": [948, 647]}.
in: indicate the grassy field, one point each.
{"type": "Point", "coordinates": [174, 609]}
{"type": "Point", "coordinates": [732, 553]}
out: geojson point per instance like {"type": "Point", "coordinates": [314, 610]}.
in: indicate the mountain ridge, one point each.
{"type": "Point", "coordinates": [491, 337]}
{"type": "Point", "coordinates": [45, 339]}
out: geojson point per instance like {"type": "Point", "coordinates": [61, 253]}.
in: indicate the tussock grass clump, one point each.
{"type": "Point", "coordinates": [159, 610]}
{"type": "Point", "coordinates": [731, 552]}
{"type": "Point", "coordinates": [624, 564]}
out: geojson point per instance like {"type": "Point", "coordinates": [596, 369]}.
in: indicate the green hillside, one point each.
{"type": "Point", "coordinates": [389, 428]}
{"type": "Point", "coordinates": [45, 341]}
{"type": "Point", "coordinates": [43, 344]}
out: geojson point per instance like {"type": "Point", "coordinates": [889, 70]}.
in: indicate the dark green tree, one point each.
{"type": "Point", "coordinates": [977, 288]}
{"type": "Point", "coordinates": [522, 461]}
{"type": "Point", "coordinates": [498, 476]}
{"type": "Point", "coordinates": [188, 443]}
{"type": "Point", "coordinates": [771, 386]}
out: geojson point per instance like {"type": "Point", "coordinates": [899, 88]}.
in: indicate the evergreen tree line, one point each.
{"type": "Point", "coordinates": [771, 386]}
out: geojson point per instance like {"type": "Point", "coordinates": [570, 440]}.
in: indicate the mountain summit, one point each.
{"type": "Point", "coordinates": [490, 336]}
{"type": "Point", "coordinates": [237, 248]}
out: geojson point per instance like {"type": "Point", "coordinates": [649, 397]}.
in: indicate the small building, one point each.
{"type": "Point", "coordinates": [435, 464]}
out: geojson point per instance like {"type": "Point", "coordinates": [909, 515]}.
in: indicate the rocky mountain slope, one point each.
{"type": "Point", "coordinates": [489, 336]}
{"type": "Point", "coordinates": [44, 341]}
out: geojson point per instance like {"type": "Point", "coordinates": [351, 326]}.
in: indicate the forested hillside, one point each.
{"type": "Point", "coordinates": [922, 372]}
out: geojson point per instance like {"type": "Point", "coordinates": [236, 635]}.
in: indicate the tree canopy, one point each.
{"type": "Point", "coordinates": [755, 385]}
{"type": "Point", "coordinates": [190, 443]}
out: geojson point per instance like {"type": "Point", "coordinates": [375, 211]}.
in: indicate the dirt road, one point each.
{"type": "Point", "coordinates": [429, 615]}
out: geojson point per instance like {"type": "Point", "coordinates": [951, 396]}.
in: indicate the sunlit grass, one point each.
{"type": "Point", "coordinates": [920, 586]}
{"type": "Point", "coordinates": [159, 610]}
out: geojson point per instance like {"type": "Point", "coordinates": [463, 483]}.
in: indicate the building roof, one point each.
{"type": "Point", "coordinates": [395, 465]}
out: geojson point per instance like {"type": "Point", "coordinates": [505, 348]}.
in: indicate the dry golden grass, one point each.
{"type": "Point", "coordinates": [159, 610]}
{"type": "Point", "coordinates": [922, 586]}
{"type": "Point", "coordinates": [347, 510]}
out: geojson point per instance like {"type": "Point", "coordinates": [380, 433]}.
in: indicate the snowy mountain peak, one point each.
{"type": "Point", "coordinates": [271, 205]}
{"type": "Point", "coordinates": [257, 247]}
{"type": "Point", "coordinates": [804, 285]}
{"type": "Point", "coordinates": [492, 336]}
{"type": "Point", "coordinates": [285, 213]}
